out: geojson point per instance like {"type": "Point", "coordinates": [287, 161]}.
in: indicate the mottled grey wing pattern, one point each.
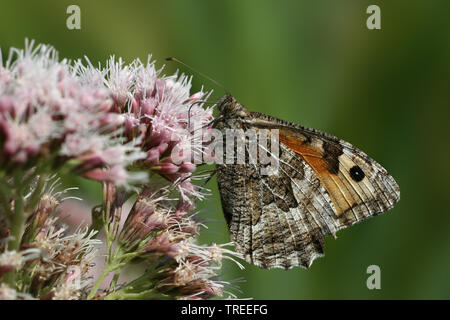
{"type": "Point", "coordinates": [276, 221]}
{"type": "Point", "coordinates": [280, 221]}
{"type": "Point", "coordinates": [323, 184]}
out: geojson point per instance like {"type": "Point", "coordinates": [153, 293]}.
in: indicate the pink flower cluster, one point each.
{"type": "Point", "coordinates": [161, 229]}
{"type": "Point", "coordinates": [107, 119]}
{"type": "Point", "coordinates": [160, 111]}
{"type": "Point", "coordinates": [119, 124]}
{"type": "Point", "coordinates": [48, 115]}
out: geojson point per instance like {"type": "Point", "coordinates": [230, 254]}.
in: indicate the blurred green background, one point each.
{"type": "Point", "coordinates": [314, 63]}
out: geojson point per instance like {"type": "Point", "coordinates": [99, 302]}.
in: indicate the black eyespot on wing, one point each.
{"type": "Point", "coordinates": [356, 173]}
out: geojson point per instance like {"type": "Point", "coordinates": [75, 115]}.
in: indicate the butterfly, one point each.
{"type": "Point", "coordinates": [323, 184]}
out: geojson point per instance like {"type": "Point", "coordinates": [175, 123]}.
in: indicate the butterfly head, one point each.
{"type": "Point", "coordinates": [230, 108]}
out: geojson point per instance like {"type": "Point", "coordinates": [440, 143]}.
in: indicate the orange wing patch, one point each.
{"type": "Point", "coordinates": [324, 160]}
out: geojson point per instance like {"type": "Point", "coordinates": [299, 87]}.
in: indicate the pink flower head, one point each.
{"type": "Point", "coordinates": [50, 107]}
{"type": "Point", "coordinates": [161, 110]}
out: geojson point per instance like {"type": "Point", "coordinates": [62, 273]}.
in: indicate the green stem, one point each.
{"type": "Point", "coordinates": [17, 224]}
{"type": "Point", "coordinates": [112, 264]}
{"type": "Point", "coordinates": [17, 220]}
{"type": "Point", "coordinates": [37, 193]}
{"type": "Point", "coordinates": [99, 281]}
{"type": "Point", "coordinates": [5, 194]}
{"type": "Point", "coordinates": [147, 294]}
{"type": "Point", "coordinates": [125, 258]}
{"type": "Point", "coordinates": [113, 284]}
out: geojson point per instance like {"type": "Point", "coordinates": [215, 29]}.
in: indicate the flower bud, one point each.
{"type": "Point", "coordinates": [166, 168]}
{"type": "Point", "coordinates": [187, 167]}
{"type": "Point", "coordinates": [36, 221]}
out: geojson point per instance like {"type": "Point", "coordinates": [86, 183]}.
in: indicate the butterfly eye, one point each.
{"type": "Point", "coordinates": [356, 173]}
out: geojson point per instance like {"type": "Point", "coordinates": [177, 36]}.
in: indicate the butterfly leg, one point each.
{"type": "Point", "coordinates": [212, 173]}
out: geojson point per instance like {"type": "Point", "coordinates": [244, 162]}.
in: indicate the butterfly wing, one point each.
{"type": "Point", "coordinates": [323, 184]}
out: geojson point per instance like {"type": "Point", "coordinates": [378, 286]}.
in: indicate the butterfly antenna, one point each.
{"type": "Point", "coordinates": [200, 73]}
